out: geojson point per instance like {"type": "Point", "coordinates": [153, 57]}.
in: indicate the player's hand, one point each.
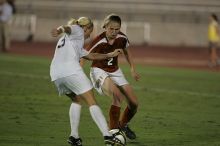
{"type": "Point", "coordinates": [135, 75]}
{"type": "Point", "coordinates": [115, 53]}
{"type": "Point", "coordinates": [55, 32]}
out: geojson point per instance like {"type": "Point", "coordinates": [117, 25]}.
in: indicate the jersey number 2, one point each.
{"type": "Point", "coordinates": [110, 61]}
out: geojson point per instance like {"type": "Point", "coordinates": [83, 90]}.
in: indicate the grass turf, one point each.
{"type": "Point", "coordinates": [178, 107]}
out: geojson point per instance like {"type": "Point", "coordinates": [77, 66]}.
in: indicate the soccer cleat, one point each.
{"type": "Point", "coordinates": [128, 132]}
{"type": "Point", "coordinates": [108, 140]}
{"type": "Point", "coordinates": [112, 141]}
{"type": "Point", "coordinates": [74, 141]}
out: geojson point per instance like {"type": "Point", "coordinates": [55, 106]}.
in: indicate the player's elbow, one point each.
{"type": "Point", "coordinates": [90, 57]}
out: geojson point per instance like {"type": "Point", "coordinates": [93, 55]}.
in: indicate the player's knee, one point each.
{"type": "Point", "coordinates": [116, 101]}
{"type": "Point", "coordinates": [117, 95]}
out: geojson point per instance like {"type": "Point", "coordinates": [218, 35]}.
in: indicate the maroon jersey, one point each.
{"type": "Point", "coordinates": [100, 45]}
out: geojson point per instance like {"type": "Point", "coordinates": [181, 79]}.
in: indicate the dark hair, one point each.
{"type": "Point", "coordinates": [214, 16]}
{"type": "Point", "coordinates": [111, 17]}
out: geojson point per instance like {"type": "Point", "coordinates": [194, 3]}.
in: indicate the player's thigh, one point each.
{"type": "Point", "coordinates": [109, 87]}
{"type": "Point", "coordinates": [112, 90]}
{"type": "Point", "coordinates": [88, 97]}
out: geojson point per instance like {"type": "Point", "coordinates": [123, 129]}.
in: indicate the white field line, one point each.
{"type": "Point", "coordinates": [177, 92]}
{"type": "Point", "coordinates": [168, 61]}
{"type": "Point", "coordinates": [32, 76]}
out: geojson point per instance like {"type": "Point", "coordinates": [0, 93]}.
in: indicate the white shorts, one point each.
{"type": "Point", "coordinates": [77, 84]}
{"type": "Point", "coordinates": [98, 76]}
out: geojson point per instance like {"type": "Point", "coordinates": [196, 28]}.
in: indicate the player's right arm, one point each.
{"type": "Point", "coordinates": [98, 56]}
{"type": "Point", "coordinates": [61, 29]}
{"type": "Point", "coordinates": [129, 59]}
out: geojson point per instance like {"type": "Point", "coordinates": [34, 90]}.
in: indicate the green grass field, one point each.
{"type": "Point", "coordinates": [178, 107]}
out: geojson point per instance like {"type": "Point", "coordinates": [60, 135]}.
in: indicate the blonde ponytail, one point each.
{"type": "Point", "coordinates": [72, 21]}
{"type": "Point", "coordinates": [82, 21]}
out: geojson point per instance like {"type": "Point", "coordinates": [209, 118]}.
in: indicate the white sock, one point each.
{"type": "Point", "coordinates": [99, 119]}
{"type": "Point", "coordinates": [74, 114]}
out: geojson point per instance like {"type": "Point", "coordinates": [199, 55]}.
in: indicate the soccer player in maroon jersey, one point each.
{"type": "Point", "coordinates": [108, 78]}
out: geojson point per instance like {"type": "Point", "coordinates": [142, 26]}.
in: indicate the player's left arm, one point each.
{"type": "Point", "coordinates": [129, 59]}
{"type": "Point", "coordinates": [61, 29]}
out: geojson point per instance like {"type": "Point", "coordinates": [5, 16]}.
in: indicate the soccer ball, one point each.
{"type": "Point", "coordinates": [119, 135]}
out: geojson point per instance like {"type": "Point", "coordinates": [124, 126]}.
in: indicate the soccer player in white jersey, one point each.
{"type": "Point", "coordinates": [69, 78]}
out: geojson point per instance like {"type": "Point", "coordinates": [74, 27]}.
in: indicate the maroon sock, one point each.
{"type": "Point", "coordinates": [127, 116]}
{"type": "Point", "coordinates": [114, 115]}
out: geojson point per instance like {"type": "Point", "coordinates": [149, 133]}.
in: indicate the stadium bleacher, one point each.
{"type": "Point", "coordinates": [159, 17]}
{"type": "Point", "coordinates": [131, 9]}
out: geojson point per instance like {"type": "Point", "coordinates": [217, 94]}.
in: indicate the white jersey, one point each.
{"type": "Point", "coordinates": [67, 55]}
{"type": "Point", "coordinates": [6, 12]}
